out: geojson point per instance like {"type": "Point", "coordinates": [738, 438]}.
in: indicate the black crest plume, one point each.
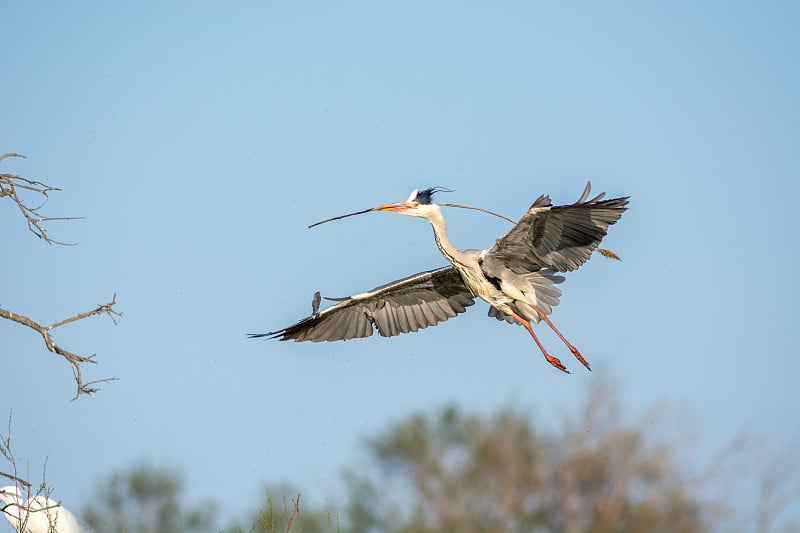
{"type": "Point", "coordinates": [425, 196]}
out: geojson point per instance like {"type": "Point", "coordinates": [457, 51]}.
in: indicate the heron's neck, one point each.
{"type": "Point", "coordinates": [439, 225]}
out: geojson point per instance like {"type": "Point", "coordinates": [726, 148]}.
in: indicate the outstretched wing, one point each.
{"type": "Point", "coordinates": [402, 306]}
{"type": "Point", "coordinates": [560, 238]}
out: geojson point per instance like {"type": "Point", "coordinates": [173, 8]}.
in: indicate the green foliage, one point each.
{"type": "Point", "coordinates": [595, 472]}
{"type": "Point", "coordinates": [468, 473]}
{"type": "Point", "coordinates": [145, 499]}
{"type": "Point", "coordinates": [284, 515]}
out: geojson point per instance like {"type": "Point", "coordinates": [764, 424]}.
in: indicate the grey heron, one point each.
{"type": "Point", "coordinates": [516, 276]}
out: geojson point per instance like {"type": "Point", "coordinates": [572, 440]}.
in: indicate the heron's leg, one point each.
{"type": "Point", "coordinates": [550, 359]}
{"type": "Point", "coordinates": [572, 349]}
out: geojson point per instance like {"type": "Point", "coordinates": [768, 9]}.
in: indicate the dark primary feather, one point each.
{"type": "Point", "coordinates": [560, 238]}
{"type": "Point", "coordinates": [402, 306]}
{"type": "Point", "coordinates": [315, 301]}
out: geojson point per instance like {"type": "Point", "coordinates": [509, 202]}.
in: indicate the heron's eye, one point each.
{"type": "Point", "coordinates": [415, 204]}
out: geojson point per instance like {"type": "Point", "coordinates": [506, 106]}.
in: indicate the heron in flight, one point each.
{"type": "Point", "coordinates": [517, 276]}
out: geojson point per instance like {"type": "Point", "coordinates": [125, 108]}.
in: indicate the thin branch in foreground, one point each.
{"type": "Point", "coordinates": [290, 519]}
{"type": "Point", "coordinates": [75, 360]}
{"type": "Point", "coordinates": [8, 454]}
{"type": "Point", "coordinates": [16, 479]}
{"type": "Point", "coordinates": [10, 184]}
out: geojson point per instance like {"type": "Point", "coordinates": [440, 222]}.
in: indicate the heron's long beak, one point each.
{"type": "Point", "coordinates": [396, 206]}
{"type": "Point", "coordinates": [343, 216]}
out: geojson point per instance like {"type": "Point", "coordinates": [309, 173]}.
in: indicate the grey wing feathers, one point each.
{"type": "Point", "coordinates": [499, 315]}
{"type": "Point", "coordinates": [403, 306]}
{"type": "Point", "coordinates": [561, 238]}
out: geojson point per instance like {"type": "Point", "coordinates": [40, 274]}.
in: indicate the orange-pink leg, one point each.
{"type": "Point", "coordinates": [572, 349]}
{"type": "Point", "coordinates": [550, 359]}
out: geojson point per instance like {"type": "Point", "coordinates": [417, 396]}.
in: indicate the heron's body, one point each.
{"type": "Point", "coordinates": [516, 276]}
{"type": "Point", "coordinates": [503, 289]}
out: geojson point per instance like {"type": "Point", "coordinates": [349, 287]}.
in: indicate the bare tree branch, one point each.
{"type": "Point", "coordinates": [11, 184]}
{"type": "Point", "coordinates": [75, 360]}
{"type": "Point", "coordinates": [16, 479]}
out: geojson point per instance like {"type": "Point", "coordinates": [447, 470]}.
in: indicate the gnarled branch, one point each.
{"type": "Point", "coordinates": [10, 185]}
{"type": "Point", "coordinates": [75, 360]}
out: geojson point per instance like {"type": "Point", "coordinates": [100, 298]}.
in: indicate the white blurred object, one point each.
{"type": "Point", "coordinates": [39, 514]}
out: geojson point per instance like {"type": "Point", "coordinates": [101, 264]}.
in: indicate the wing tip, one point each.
{"type": "Point", "coordinates": [268, 335]}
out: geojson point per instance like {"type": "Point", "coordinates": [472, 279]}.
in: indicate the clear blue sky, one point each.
{"type": "Point", "coordinates": [199, 141]}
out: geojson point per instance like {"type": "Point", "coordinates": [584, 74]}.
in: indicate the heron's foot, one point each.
{"type": "Point", "coordinates": [555, 362]}
{"type": "Point", "coordinates": [579, 357]}
{"type": "Point", "coordinates": [550, 359]}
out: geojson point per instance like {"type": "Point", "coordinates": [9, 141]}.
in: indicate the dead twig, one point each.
{"type": "Point", "coordinates": [16, 479]}
{"type": "Point", "coordinates": [10, 185]}
{"type": "Point", "coordinates": [75, 360]}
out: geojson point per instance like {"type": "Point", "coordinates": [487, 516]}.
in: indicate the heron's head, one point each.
{"type": "Point", "coordinates": [419, 204]}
